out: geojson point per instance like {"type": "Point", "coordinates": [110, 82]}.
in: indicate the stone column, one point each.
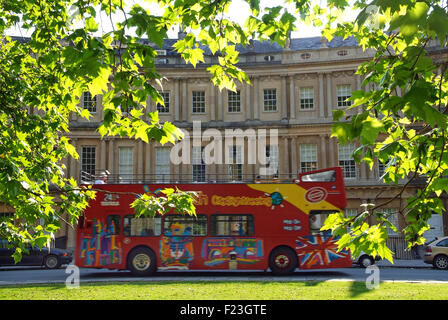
{"type": "Point", "coordinates": [103, 158]}
{"type": "Point", "coordinates": [248, 103]}
{"type": "Point", "coordinates": [358, 82]}
{"type": "Point", "coordinates": [329, 96]}
{"type": "Point", "coordinates": [147, 161]}
{"type": "Point", "coordinates": [66, 163]}
{"type": "Point", "coordinates": [111, 157]}
{"type": "Point", "coordinates": [321, 96]}
{"type": "Point", "coordinates": [292, 98]}
{"type": "Point", "coordinates": [285, 170]}
{"type": "Point", "coordinates": [294, 164]}
{"type": "Point", "coordinates": [74, 172]}
{"type": "Point", "coordinates": [256, 98]}
{"type": "Point", "coordinates": [332, 147]}
{"type": "Point", "coordinates": [184, 100]}
{"type": "Point", "coordinates": [284, 99]}
{"type": "Point", "coordinates": [140, 159]}
{"type": "Point", "coordinates": [323, 151]}
{"type": "Point", "coordinates": [177, 100]}
{"type": "Point", "coordinates": [99, 105]}
{"type": "Point", "coordinates": [212, 103]}
{"type": "Point", "coordinates": [220, 110]}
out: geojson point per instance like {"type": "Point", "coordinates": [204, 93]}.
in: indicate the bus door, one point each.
{"type": "Point", "coordinates": [99, 242]}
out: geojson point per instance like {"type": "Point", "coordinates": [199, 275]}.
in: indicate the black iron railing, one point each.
{"type": "Point", "coordinates": [97, 178]}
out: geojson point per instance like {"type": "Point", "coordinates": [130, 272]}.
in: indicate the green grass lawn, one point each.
{"type": "Point", "coordinates": [175, 290]}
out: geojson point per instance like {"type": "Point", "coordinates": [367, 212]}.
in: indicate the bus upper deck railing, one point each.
{"type": "Point", "coordinates": [96, 178]}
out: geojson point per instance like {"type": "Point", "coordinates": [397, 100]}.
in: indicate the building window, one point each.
{"type": "Point", "coordinates": [382, 168]}
{"type": "Point", "coordinates": [6, 215]}
{"type": "Point", "coordinates": [185, 225]}
{"type": "Point", "coordinates": [272, 160]}
{"type": "Point", "coordinates": [343, 93]}
{"type": "Point", "coordinates": [162, 168]}
{"type": "Point", "coordinates": [141, 227]}
{"type": "Point", "coordinates": [270, 99]}
{"type": "Point", "coordinates": [308, 157]}
{"type": "Point", "coordinates": [307, 98]}
{"type": "Point", "coordinates": [89, 102]}
{"type": "Point", "coordinates": [166, 101]}
{"type": "Point", "coordinates": [88, 160]}
{"type": "Point", "coordinates": [235, 165]}
{"type": "Point", "coordinates": [391, 214]}
{"type": "Point", "coordinates": [198, 164]}
{"type": "Point", "coordinates": [232, 225]}
{"type": "Point", "coordinates": [198, 101]}
{"type": "Point", "coordinates": [234, 101]}
{"type": "Point", "coordinates": [125, 163]}
{"type": "Point", "coordinates": [305, 55]}
{"type": "Point", "coordinates": [346, 160]}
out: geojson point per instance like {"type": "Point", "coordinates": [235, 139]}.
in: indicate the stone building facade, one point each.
{"type": "Point", "coordinates": [293, 90]}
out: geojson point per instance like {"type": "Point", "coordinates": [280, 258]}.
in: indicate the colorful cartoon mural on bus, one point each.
{"type": "Point", "coordinates": [216, 251]}
{"type": "Point", "coordinates": [102, 247]}
{"type": "Point", "coordinates": [176, 248]}
{"type": "Point", "coordinates": [318, 250]}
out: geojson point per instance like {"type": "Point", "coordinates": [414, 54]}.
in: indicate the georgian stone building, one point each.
{"type": "Point", "coordinates": [293, 90]}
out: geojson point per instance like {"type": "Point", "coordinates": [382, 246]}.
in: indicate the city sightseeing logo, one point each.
{"type": "Point", "coordinates": [316, 194]}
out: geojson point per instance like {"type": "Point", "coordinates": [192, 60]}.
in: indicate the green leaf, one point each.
{"type": "Point", "coordinates": [438, 22]}
{"type": "Point", "coordinates": [343, 132]}
{"type": "Point", "coordinates": [17, 255]}
{"type": "Point", "coordinates": [91, 24]}
{"type": "Point", "coordinates": [370, 129]}
{"type": "Point", "coordinates": [71, 150]}
{"type": "Point", "coordinates": [413, 21]}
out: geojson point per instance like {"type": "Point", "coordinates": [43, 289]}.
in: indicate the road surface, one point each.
{"type": "Point", "coordinates": [27, 275]}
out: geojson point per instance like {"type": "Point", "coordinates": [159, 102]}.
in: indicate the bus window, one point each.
{"type": "Point", "coordinates": [232, 225]}
{"type": "Point", "coordinates": [317, 219]}
{"type": "Point", "coordinates": [113, 224]}
{"type": "Point", "coordinates": [185, 225]}
{"type": "Point", "coordinates": [325, 176]}
{"type": "Point", "coordinates": [141, 227]}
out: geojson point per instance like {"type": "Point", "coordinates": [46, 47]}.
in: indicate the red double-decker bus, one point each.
{"type": "Point", "coordinates": [267, 224]}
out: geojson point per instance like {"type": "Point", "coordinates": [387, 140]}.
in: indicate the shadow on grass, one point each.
{"type": "Point", "coordinates": [357, 289]}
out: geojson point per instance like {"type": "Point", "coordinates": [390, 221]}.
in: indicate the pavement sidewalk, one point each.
{"type": "Point", "coordinates": [382, 263]}
{"type": "Point", "coordinates": [415, 263]}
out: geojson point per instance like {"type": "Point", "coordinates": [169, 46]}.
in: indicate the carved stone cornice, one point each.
{"type": "Point", "coordinates": [306, 76]}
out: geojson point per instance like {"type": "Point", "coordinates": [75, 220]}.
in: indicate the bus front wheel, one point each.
{"type": "Point", "coordinates": [283, 261]}
{"type": "Point", "coordinates": [142, 262]}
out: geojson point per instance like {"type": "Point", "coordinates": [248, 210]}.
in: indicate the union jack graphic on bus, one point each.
{"type": "Point", "coordinates": [319, 251]}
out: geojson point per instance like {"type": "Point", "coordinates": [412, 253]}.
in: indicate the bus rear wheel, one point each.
{"type": "Point", "coordinates": [283, 261]}
{"type": "Point", "coordinates": [142, 262]}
